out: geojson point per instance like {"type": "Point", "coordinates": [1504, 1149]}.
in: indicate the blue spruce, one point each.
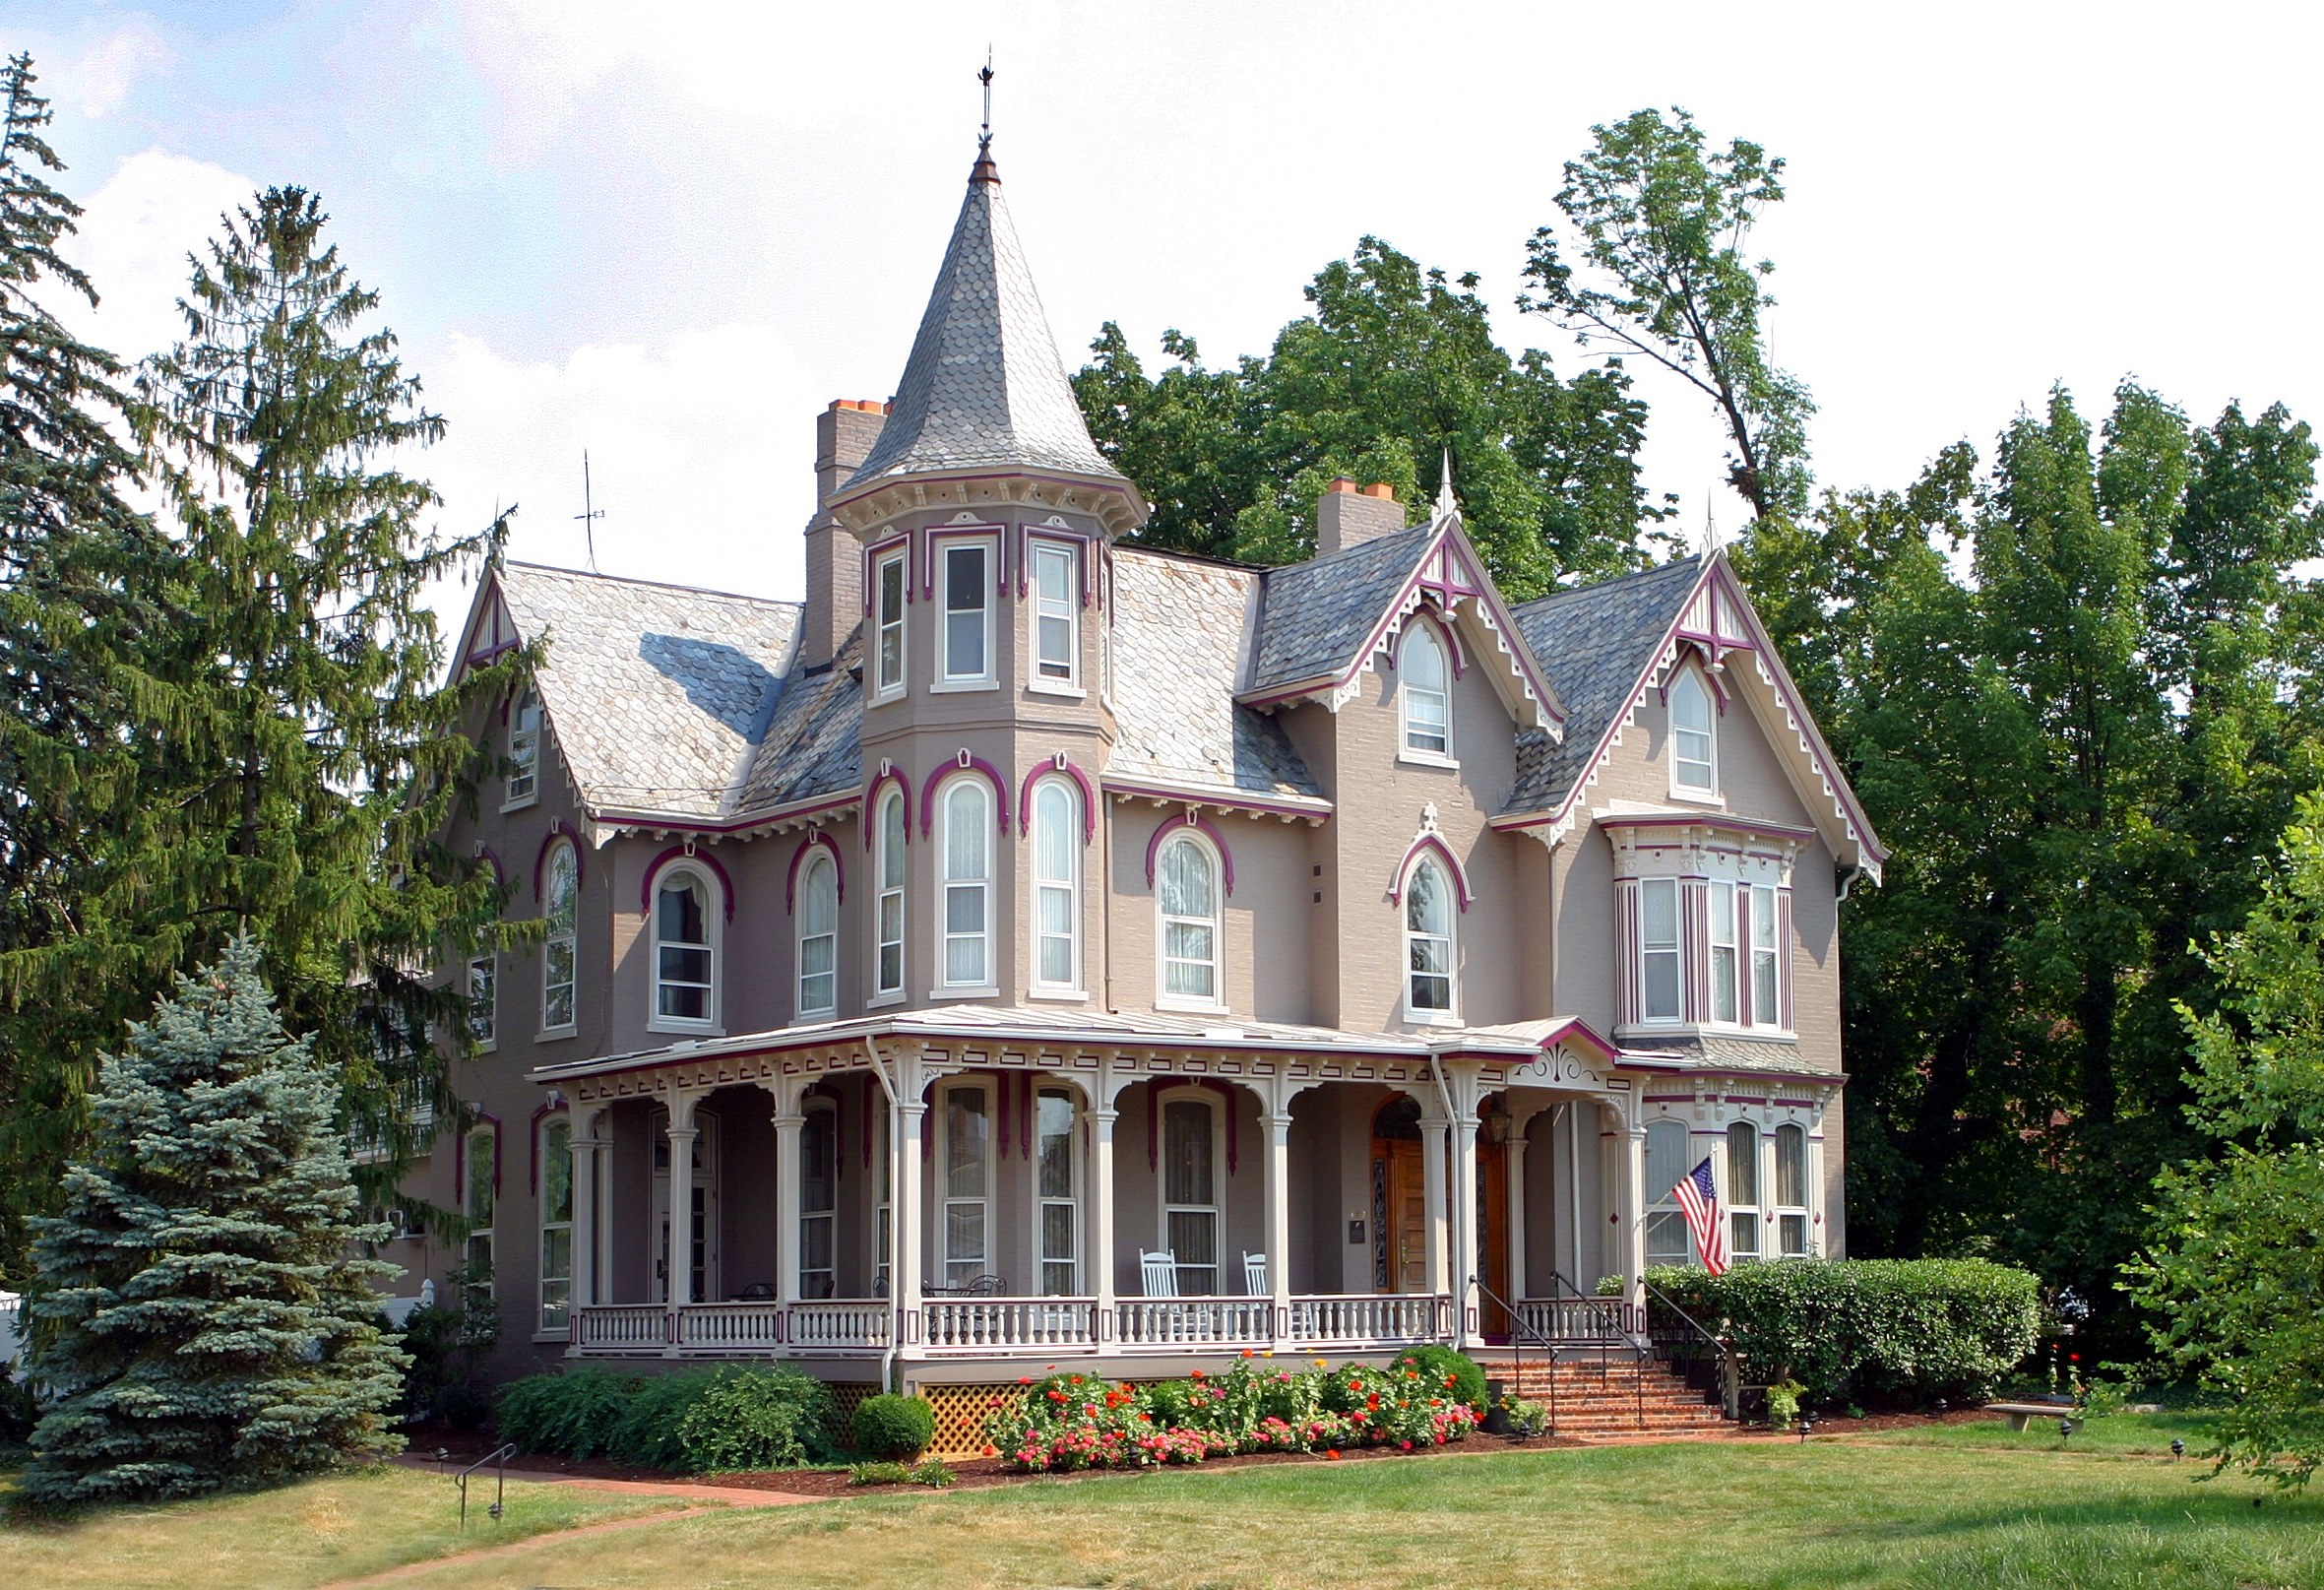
{"type": "Point", "coordinates": [206, 1317]}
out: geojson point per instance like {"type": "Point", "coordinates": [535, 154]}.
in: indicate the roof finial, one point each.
{"type": "Point", "coordinates": [1445, 506]}
{"type": "Point", "coordinates": [1710, 525]}
{"type": "Point", "coordinates": [984, 135]}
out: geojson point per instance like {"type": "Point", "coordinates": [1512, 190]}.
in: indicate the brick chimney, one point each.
{"type": "Point", "coordinates": [844, 434]}
{"type": "Point", "coordinates": [1348, 517]}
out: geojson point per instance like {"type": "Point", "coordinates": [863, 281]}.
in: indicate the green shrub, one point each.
{"type": "Point", "coordinates": [1906, 1328]}
{"type": "Point", "coordinates": [1443, 1368]}
{"type": "Point", "coordinates": [572, 1414]}
{"type": "Point", "coordinates": [888, 1425]}
{"type": "Point", "coordinates": [646, 1430]}
{"type": "Point", "coordinates": [879, 1474]}
{"type": "Point", "coordinates": [758, 1418]}
{"type": "Point", "coordinates": [932, 1473]}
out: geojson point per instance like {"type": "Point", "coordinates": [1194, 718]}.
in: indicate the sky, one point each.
{"type": "Point", "coordinates": [670, 234]}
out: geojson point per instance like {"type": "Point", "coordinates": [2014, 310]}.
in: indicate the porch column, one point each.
{"type": "Point", "coordinates": [1464, 1222]}
{"type": "Point", "coordinates": [1633, 1211]}
{"type": "Point", "coordinates": [678, 1284]}
{"type": "Point", "coordinates": [1514, 1236]}
{"type": "Point", "coordinates": [789, 1119]}
{"type": "Point", "coordinates": [1432, 1173]}
{"type": "Point", "coordinates": [912, 1118]}
{"type": "Point", "coordinates": [1101, 1256]}
{"type": "Point", "coordinates": [585, 1145]}
{"type": "Point", "coordinates": [1279, 1219]}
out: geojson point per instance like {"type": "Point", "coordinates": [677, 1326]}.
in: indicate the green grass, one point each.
{"type": "Point", "coordinates": [2146, 1433]}
{"type": "Point", "coordinates": [337, 1527]}
{"type": "Point", "coordinates": [1748, 1515]}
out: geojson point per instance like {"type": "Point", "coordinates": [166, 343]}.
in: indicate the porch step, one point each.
{"type": "Point", "coordinates": [1613, 1399]}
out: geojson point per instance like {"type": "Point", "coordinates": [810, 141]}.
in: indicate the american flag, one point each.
{"type": "Point", "coordinates": [1698, 1199]}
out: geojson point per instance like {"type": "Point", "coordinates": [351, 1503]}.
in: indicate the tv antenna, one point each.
{"type": "Point", "coordinates": [590, 513]}
{"type": "Point", "coordinates": [984, 135]}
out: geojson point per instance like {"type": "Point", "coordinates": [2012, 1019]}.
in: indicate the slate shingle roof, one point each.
{"type": "Point", "coordinates": [1734, 1055]}
{"type": "Point", "coordinates": [984, 387]}
{"type": "Point", "coordinates": [811, 745]}
{"type": "Point", "coordinates": [1592, 643]}
{"type": "Point", "coordinates": [1314, 616]}
{"type": "Point", "coordinates": [1180, 629]}
{"type": "Point", "coordinates": [655, 694]}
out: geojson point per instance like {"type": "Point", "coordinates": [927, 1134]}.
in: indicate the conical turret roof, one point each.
{"type": "Point", "coordinates": [983, 388]}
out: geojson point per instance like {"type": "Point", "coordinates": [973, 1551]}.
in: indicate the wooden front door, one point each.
{"type": "Point", "coordinates": [1408, 1216]}
{"type": "Point", "coordinates": [1492, 1233]}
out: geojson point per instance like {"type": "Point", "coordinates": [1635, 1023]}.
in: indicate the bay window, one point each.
{"type": "Point", "coordinates": [968, 885]}
{"type": "Point", "coordinates": [1056, 642]}
{"type": "Point", "coordinates": [1743, 1190]}
{"type": "Point", "coordinates": [888, 912]}
{"type": "Point", "coordinates": [1659, 957]}
{"type": "Point", "coordinates": [1056, 885]}
{"type": "Point", "coordinates": [1667, 1241]}
{"type": "Point", "coordinates": [888, 590]}
{"type": "Point", "coordinates": [1792, 1191]}
{"type": "Point", "coordinates": [966, 589]}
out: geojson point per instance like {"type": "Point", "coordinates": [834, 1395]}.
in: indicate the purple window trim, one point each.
{"type": "Point", "coordinates": [818, 840]}
{"type": "Point", "coordinates": [487, 855]}
{"type": "Point", "coordinates": [1153, 1110]}
{"type": "Point", "coordinates": [540, 1115]}
{"type": "Point", "coordinates": [460, 1159]}
{"type": "Point", "coordinates": [556, 831]}
{"type": "Point", "coordinates": [1446, 637]}
{"type": "Point", "coordinates": [1404, 869]}
{"type": "Point", "coordinates": [1061, 764]}
{"type": "Point", "coordinates": [1180, 822]}
{"type": "Point", "coordinates": [975, 764]}
{"type": "Point", "coordinates": [997, 534]}
{"type": "Point", "coordinates": [679, 853]}
{"type": "Point", "coordinates": [871, 803]}
{"type": "Point", "coordinates": [1085, 565]}
{"type": "Point", "coordinates": [872, 557]}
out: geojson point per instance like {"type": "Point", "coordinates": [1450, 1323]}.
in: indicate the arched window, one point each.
{"type": "Point", "coordinates": [1056, 884]}
{"type": "Point", "coordinates": [1427, 700]}
{"type": "Point", "coordinates": [524, 752]}
{"type": "Point", "coordinates": [557, 1224]}
{"type": "Point", "coordinates": [1792, 1191]}
{"type": "Point", "coordinates": [819, 1201]}
{"type": "Point", "coordinates": [561, 896]}
{"type": "Point", "coordinates": [968, 885]}
{"type": "Point", "coordinates": [1743, 1190]}
{"type": "Point", "coordinates": [819, 938]}
{"type": "Point", "coordinates": [685, 964]}
{"type": "Point", "coordinates": [1193, 1179]}
{"type": "Point", "coordinates": [889, 915]}
{"type": "Point", "coordinates": [1667, 1241]}
{"type": "Point", "coordinates": [1693, 765]}
{"type": "Point", "coordinates": [1428, 941]}
{"type": "Point", "coordinates": [1186, 883]}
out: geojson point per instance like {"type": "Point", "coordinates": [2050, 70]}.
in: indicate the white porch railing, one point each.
{"type": "Point", "coordinates": [1365, 1319]}
{"type": "Point", "coordinates": [737, 1326]}
{"type": "Point", "coordinates": [1005, 1324]}
{"type": "Point", "coordinates": [631, 1326]}
{"type": "Point", "coordinates": [1575, 1319]}
{"type": "Point", "coordinates": [839, 1324]}
{"type": "Point", "coordinates": [1195, 1322]}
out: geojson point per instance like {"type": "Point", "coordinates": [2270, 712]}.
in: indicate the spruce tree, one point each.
{"type": "Point", "coordinates": [207, 1319]}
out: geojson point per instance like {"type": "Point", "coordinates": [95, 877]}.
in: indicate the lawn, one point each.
{"type": "Point", "coordinates": [2148, 1434]}
{"type": "Point", "coordinates": [1756, 1515]}
{"type": "Point", "coordinates": [308, 1534]}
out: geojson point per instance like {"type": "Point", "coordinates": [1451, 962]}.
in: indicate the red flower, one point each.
{"type": "Point", "coordinates": [1198, 1374]}
{"type": "Point", "coordinates": [1024, 1379]}
{"type": "Point", "coordinates": [1333, 1453]}
{"type": "Point", "coordinates": [1407, 1446]}
{"type": "Point", "coordinates": [2073, 1358]}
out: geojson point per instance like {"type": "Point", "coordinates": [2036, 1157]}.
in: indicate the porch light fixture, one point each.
{"type": "Point", "coordinates": [1494, 1128]}
{"type": "Point", "coordinates": [1805, 1426]}
{"type": "Point", "coordinates": [2178, 1448]}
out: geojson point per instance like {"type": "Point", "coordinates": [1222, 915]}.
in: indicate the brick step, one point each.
{"type": "Point", "coordinates": [1611, 1400]}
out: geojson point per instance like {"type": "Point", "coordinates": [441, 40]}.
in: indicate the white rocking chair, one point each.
{"type": "Point", "coordinates": [1158, 1273]}
{"type": "Point", "coordinates": [1254, 1275]}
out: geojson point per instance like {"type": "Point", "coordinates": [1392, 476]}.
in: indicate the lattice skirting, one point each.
{"type": "Point", "coordinates": [961, 1413]}
{"type": "Point", "coordinates": [849, 1395]}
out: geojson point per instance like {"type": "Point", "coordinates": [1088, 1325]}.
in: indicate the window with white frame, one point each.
{"type": "Point", "coordinates": [1190, 1214]}
{"type": "Point", "coordinates": [1767, 1008]}
{"type": "Point", "coordinates": [966, 589]}
{"type": "Point", "coordinates": [562, 897]}
{"type": "Point", "coordinates": [483, 999]}
{"type": "Point", "coordinates": [1429, 940]}
{"type": "Point", "coordinates": [888, 590]}
{"type": "Point", "coordinates": [887, 911]}
{"type": "Point", "coordinates": [480, 1203]}
{"type": "Point", "coordinates": [1056, 1143]}
{"type": "Point", "coordinates": [1743, 1190]}
{"type": "Point", "coordinates": [967, 1182]}
{"type": "Point", "coordinates": [1186, 886]}
{"type": "Point", "coordinates": [1693, 760]}
{"type": "Point", "coordinates": [819, 936]}
{"type": "Point", "coordinates": [685, 963]}
{"type": "Point", "coordinates": [1723, 990]}
{"type": "Point", "coordinates": [556, 1225]}
{"type": "Point", "coordinates": [1667, 1241]}
{"type": "Point", "coordinates": [819, 1200]}
{"type": "Point", "coordinates": [968, 885]}
{"type": "Point", "coordinates": [524, 752]}
{"type": "Point", "coordinates": [1056, 643]}
{"type": "Point", "coordinates": [1659, 959]}
{"type": "Point", "coordinates": [1426, 692]}
{"type": "Point", "coordinates": [1792, 1191]}
{"type": "Point", "coordinates": [1056, 884]}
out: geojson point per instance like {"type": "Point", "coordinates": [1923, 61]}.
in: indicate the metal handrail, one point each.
{"type": "Point", "coordinates": [500, 1487]}
{"type": "Point", "coordinates": [1518, 1329]}
{"type": "Point", "coordinates": [1722, 1349]}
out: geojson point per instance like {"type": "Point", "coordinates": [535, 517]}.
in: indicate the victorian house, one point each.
{"type": "Point", "coordinates": [1034, 949]}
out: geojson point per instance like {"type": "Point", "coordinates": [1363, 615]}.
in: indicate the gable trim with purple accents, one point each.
{"type": "Point", "coordinates": [556, 831]}
{"type": "Point", "coordinates": [817, 841]}
{"type": "Point", "coordinates": [871, 802]}
{"type": "Point", "coordinates": [1061, 764]}
{"type": "Point", "coordinates": [679, 852]}
{"type": "Point", "coordinates": [964, 763]}
{"type": "Point", "coordinates": [1413, 853]}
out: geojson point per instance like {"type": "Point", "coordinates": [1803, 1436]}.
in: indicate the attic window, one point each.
{"type": "Point", "coordinates": [1692, 758]}
{"type": "Point", "coordinates": [524, 752]}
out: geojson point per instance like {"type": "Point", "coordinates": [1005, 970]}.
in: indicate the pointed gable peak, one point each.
{"type": "Point", "coordinates": [983, 388]}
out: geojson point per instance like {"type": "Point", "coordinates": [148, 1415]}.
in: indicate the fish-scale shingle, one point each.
{"type": "Point", "coordinates": [812, 745]}
{"type": "Point", "coordinates": [1315, 617]}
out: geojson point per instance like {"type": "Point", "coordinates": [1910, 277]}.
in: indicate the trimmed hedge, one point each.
{"type": "Point", "coordinates": [887, 1426]}
{"type": "Point", "coordinates": [691, 1421]}
{"type": "Point", "coordinates": [1911, 1329]}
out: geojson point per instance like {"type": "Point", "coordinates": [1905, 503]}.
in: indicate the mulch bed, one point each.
{"type": "Point", "coordinates": [458, 1448]}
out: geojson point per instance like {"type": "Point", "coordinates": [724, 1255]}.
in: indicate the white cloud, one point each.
{"type": "Point", "coordinates": [700, 452]}
{"type": "Point", "coordinates": [103, 74]}
{"type": "Point", "coordinates": [135, 233]}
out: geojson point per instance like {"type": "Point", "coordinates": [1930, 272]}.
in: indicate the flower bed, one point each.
{"type": "Point", "coordinates": [1071, 1422]}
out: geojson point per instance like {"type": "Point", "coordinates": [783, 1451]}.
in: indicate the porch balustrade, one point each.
{"type": "Point", "coordinates": [1001, 1325]}
{"type": "Point", "coordinates": [1366, 1319]}
{"type": "Point", "coordinates": [1196, 1322]}
{"type": "Point", "coordinates": [624, 1326]}
{"type": "Point", "coordinates": [839, 1326]}
{"type": "Point", "coordinates": [731, 1325]}
{"type": "Point", "coordinates": [1577, 1319]}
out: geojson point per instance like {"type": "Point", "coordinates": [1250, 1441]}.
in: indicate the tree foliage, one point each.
{"type": "Point", "coordinates": [206, 1321]}
{"type": "Point", "coordinates": [1661, 225]}
{"type": "Point", "coordinates": [1395, 367]}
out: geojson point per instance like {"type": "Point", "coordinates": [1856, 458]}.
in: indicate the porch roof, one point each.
{"type": "Point", "coordinates": [1048, 1026]}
